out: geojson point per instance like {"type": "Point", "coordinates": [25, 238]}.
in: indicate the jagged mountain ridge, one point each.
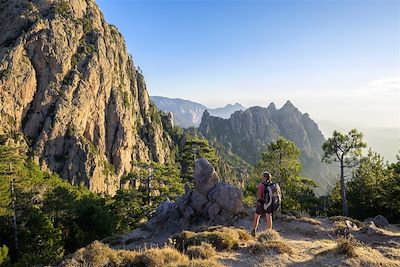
{"type": "Point", "coordinates": [188, 113]}
{"type": "Point", "coordinates": [69, 84]}
{"type": "Point", "coordinates": [247, 133]}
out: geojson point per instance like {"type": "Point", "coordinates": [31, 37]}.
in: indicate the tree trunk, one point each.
{"type": "Point", "coordinates": [345, 209]}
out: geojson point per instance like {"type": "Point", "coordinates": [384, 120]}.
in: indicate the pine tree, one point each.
{"type": "Point", "coordinates": [194, 149]}
{"type": "Point", "coordinates": [345, 149]}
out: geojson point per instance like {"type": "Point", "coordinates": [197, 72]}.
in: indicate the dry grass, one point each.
{"type": "Point", "coordinates": [221, 238]}
{"type": "Point", "coordinates": [278, 246]}
{"type": "Point", "coordinates": [202, 263]}
{"type": "Point", "coordinates": [367, 256]}
{"type": "Point", "coordinates": [160, 256]}
{"type": "Point", "coordinates": [347, 246]}
{"type": "Point", "coordinates": [270, 240]}
{"type": "Point", "coordinates": [101, 255]}
{"type": "Point", "coordinates": [204, 251]}
{"type": "Point", "coordinates": [98, 254]}
{"type": "Point", "coordinates": [269, 235]}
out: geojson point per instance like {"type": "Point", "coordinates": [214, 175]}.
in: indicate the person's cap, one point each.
{"type": "Point", "coordinates": [266, 175]}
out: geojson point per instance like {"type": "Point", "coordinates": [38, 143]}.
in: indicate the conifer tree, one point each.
{"type": "Point", "coordinates": [345, 149]}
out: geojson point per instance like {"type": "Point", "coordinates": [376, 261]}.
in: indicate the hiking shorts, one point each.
{"type": "Point", "coordinates": [260, 208]}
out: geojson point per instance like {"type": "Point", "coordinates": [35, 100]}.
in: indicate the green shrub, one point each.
{"type": "Point", "coordinates": [3, 255]}
{"type": "Point", "coordinates": [62, 8]}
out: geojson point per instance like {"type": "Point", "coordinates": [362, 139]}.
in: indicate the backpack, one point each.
{"type": "Point", "coordinates": [272, 197]}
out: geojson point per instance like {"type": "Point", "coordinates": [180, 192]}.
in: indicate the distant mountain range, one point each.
{"type": "Point", "coordinates": [188, 114]}
{"type": "Point", "coordinates": [245, 133]}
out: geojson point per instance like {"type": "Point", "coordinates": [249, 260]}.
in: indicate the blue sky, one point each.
{"type": "Point", "coordinates": [330, 58]}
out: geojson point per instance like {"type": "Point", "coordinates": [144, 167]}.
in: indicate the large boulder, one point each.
{"type": "Point", "coordinates": [210, 202]}
{"type": "Point", "coordinates": [164, 212]}
{"type": "Point", "coordinates": [198, 201]}
{"type": "Point", "coordinates": [228, 197]}
{"type": "Point", "coordinates": [205, 177]}
{"type": "Point", "coordinates": [214, 210]}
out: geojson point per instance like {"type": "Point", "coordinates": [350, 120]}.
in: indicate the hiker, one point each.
{"type": "Point", "coordinates": [268, 201]}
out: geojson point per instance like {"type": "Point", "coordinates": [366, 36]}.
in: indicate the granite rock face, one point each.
{"type": "Point", "coordinates": [220, 203]}
{"type": "Point", "coordinates": [69, 84]}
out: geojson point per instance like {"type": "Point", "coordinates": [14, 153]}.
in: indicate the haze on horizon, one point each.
{"type": "Point", "coordinates": [336, 60]}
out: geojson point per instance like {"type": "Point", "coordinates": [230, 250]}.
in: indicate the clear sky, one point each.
{"type": "Point", "coordinates": [336, 60]}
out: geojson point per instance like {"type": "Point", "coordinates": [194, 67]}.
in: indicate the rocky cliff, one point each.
{"type": "Point", "coordinates": [69, 84]}
{"type": "Point", "coordinates": [247, 133]}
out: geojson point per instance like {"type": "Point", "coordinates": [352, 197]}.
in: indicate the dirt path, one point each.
{"type": "Point", "coordinates": [313, 243]}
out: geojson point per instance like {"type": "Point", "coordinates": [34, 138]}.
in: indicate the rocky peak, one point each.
{"type": "Point", "coordinates": [68, 83]}
{"type": "Point", "coordinates": [271, 107]}
{"type": "Point", "coordinates": [289, 107]}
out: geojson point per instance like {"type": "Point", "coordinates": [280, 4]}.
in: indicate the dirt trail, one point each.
{"type": "Point", "coordinates": [313, 243]}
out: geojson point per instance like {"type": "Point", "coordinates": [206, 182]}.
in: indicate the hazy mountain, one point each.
{"type": "Point", "coordinates": [69, 84]}
{"type": "Point", "coordinates": [247, 133]}
{"type": "Point", "coordinates": [188, 113]}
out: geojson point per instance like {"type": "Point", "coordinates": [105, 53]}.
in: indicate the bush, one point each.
{"type": "Point", "coordinates": [160, 256]}
{"type": "Point", "coordinates": [98, 254]}
{"type": "Point", "coordinates": [204, 251]}
{"type": "Point", "coordinates": [347, 246]}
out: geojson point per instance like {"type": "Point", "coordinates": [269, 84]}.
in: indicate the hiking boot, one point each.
{"type": "Point", "coordinates": [253, 232]}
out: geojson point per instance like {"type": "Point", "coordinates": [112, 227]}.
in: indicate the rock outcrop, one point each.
{"type": "Point", "coordinates": [210, 202]}
{"type": "Point", "coordinates": [379, 221]}
{"type": "Point", "coordinates": [248, 133]}
{"type": "Point", "coordinates": [69, 84]}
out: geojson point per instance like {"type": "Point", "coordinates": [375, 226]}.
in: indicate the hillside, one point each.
{"type": "Point", "coordinates": [247, 133]}
{"type": "Point", "coordinates": [68, 83]}
{"type": "Point", "coordinates": [188, 113]}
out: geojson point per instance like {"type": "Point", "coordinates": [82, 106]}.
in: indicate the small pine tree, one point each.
{"type": "Point", "coordinates": [41, 242]}
{"type": "Point", "coordinates": [194, 149]}
{"type": "Point", "coordinates": [345, 149]}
